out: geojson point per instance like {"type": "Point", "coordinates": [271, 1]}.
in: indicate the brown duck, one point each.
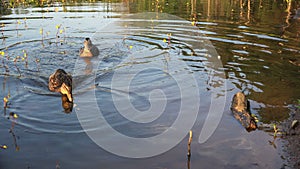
{"type": "Point", "coordinates": [89, 50]}
{"type": "Point", "coordinates": [61, 82]}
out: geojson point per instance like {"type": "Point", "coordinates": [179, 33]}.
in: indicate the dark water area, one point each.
{"type": "Point", "coordinates": [165, 67]}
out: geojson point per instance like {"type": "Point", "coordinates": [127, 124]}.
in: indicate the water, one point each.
{"type": "Point", "coordinates": [162, 54]}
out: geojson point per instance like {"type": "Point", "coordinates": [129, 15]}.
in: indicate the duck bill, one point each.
{"type": "Point", "coordinates": [67, 91]}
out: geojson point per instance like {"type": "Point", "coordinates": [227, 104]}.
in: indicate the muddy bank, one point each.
{"type": "Point", "coordinates": [292, 138]}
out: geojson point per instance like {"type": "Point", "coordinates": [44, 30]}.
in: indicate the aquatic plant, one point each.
{"type": "Point", "coordinates": [5, 101]}
{"type": "Point", "coordinates": [2, 53]}
{"type": "Point", "coordinates": [275, 130]}
{"type": "Point", "coordinates": [25, 23]}
{"type": "Point", "coordinates": [189, 143]}
{"type": "Point", "coordinates": [13, 117]}
{"type": "Point", "coordinates": [15, 64]}
{"type": "Point", "coordinates": [3, 146]}
{"type": "Point", "coordinates": [60, 30]}
{"type": "Point", "coordinates": [18, 22]}
{"type": "Point", "coordinates": [2, 33]}
{"type": "Point", "coordinates": [25, 58]}
{"type": "Point", "coordinates": [42, 33]}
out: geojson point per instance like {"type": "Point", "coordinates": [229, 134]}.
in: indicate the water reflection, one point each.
{"type": "Point", "coordinates": [263, 34]}
{"type": "Point", "coordinates": [89, 66]}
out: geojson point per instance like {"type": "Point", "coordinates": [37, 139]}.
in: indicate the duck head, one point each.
{"type": "Point", "coordinates": [87, 43]}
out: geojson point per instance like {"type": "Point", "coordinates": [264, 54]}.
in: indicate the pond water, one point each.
{"type": "Point", "coordinates": [159, 62]}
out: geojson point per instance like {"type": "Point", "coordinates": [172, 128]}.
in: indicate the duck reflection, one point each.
{"type": "Point", "coordinates": [66, 103]}
{"type": "Point", "coordinates": [89, 66]}
{"type": "Point", "coordinates": [61, 82]}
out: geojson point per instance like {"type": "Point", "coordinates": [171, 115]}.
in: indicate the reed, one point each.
{"type": "Point", "coordinates": [189, 143]}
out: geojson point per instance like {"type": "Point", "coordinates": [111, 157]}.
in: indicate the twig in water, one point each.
{"type": "Point", "coordinates": [15, 63]}
{"type": "Point", "coordinates": [189, 144]}
{"type": "Point", "coordinates": [42, 33]}
{"type": "Point", "coordinates": [11, 130]}
{"type": "Point", "coordinates": [189, 150]}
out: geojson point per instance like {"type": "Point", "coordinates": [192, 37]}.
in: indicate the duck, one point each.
{"type": "Point", "coordinates": [61, 82]}
{"type": "Point", "coordinates": [240, 108]}
{"type": "Point", "coordinates": [89, 50]}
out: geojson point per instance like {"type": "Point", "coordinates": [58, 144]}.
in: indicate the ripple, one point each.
{"type": "Point", "coordinates": [262, 36]}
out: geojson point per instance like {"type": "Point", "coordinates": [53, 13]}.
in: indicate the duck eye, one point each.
{"type": "Point", "coordinates": [53, 82]}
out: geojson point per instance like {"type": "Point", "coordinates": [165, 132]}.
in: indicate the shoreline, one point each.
{"type": "Point", "coordinates": [291, 146]}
